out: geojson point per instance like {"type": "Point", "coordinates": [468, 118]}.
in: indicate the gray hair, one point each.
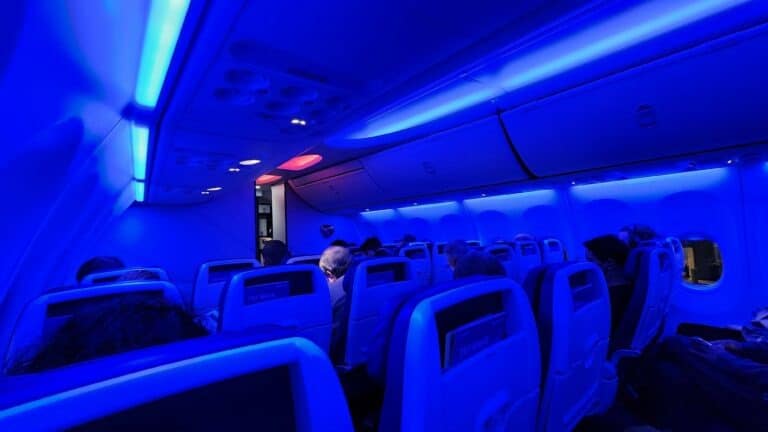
{"type": "Point", "coordinates": [335, 261]}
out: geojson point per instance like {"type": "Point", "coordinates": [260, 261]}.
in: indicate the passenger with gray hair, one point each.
{"type": "Point", "coordinates": [334, 263]}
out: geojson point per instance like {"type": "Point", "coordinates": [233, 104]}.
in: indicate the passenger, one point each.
{"type": "Point", "coordinates": [406, 240]}
{"type": "Point", "coordinates": [118, 325]}
{"type": "Point", "coordinates": [138, 275]}
{"type": "Point", "coordinates": [610, 253]}
{"type": "Point", "coordinates": [334, 263]}
{"type": "Point", "coordinates": [340, 242]}
{"type": "Point", "coordinates": [274, 253]}
{"type": "Point", "coordinates": [635, 234]}
{"type": "Point", "coordinates": [524, 237]}
{"type": "Point", "coordinates": [370, 246]}
{"type": "Point", "coordinates": [455, 250]}
{"type": "Point", "coordinates": [477, 263]}
{"type": "Point", "coordinates": [98, 264]}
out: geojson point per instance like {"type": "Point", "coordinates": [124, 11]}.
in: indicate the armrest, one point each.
{"type": "Point", "coordinates": [708, 332]}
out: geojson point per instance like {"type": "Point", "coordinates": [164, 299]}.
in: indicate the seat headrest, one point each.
{"type": "Point", "coordinates": [525, 248]}
{"type": "Point", "coordinates": [501, 251]}
{"type": "Point", "coordinates": [281, 385]}
{"type": "Point", "coordinates": [415, 251]}
{"type": "Point", "coordinates": [127, 274]}
{"type": "Point", "coordinates": [42, 317]}
{"type": "Point", "coordinates": [253, 296]}
{"type": "Point", "coordinates": [211, 279]}
{"type": "Point", "coordinates": [378, 271]}
{"type": "Point", "coordinates": [306, 259]}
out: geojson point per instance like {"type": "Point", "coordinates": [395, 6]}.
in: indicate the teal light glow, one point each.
{"type": "Point", "coordinates": [140, 143]}
{"type": "Point", "coordinates": [166, 18]}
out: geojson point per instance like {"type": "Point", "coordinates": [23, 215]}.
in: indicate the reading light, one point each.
{"type": "Point", "coordinates": [573, 182]}
{"type": "Point", "coordinates": [415, 203]}
{"type": "Point", "coordinates": [214, 189]}
{"type": "Point", "coordinates": [298, 122]}
{"type": "Point", "coordinates": [483, 195]}
{"type": "Point", "coordinates": [730, 161]}
{"type": "Point", "coordinates": [614, 34]}
{"type": "Point", "coordinates": [301, 162]}
{"type": "Point", "coordinates": [234, 170]}
{"type": "Point", "coordinates": [138, 187]}
{"type": "Point", "coordinates": [250, 162]}
{"type": "Point", "coordinates": [267, 179]}
{"type": "Point", "coordinates": [367, 209]}
{"type": "Point", "coordinates": [166, 18]}
{"type": "Point", "coordinates": [140, 141]}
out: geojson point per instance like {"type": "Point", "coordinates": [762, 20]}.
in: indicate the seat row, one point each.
{"type": "Point", "coordinates": [470, 354]}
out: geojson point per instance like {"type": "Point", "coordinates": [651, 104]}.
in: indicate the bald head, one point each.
{"type": "Point", "coordinates": [335, 261]}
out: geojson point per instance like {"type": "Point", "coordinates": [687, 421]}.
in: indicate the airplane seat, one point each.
{"type": "Point", "coordinates": [211, 279]}
{"type": "Point", "coordinates": [552, 251]}
{"type": "Point", "coordinates": [278, 385]}
{"type": "Point", "coordinates": [114, 276]}
{"type": "Point", "coordinates": [463, 359]}
{"type": "Point", "coordinates": [422, 265]}
{"type": "Point", "coordinates": [525, 256]}
{"type": "Point", "coordinates": [370, 285]}
{"type": "Point", "coordinates": [292, 296]}
{"type": "Point", "coordinates": [305, 259]}
{"type": "Point", "coordinates": [474, 245]}
{"type": "Point", "coordinates": [654, 275]}
{"type": "Point", "coordinates": [441, 271]}
{"type": "Point", "coordinates": [45, 315]}
{"type": "Point", "coordinates": [676, 246]}
{"type": "Point", "coordinates": [504, 254]}
{"type": "Point", "coordinates": [574, 317]}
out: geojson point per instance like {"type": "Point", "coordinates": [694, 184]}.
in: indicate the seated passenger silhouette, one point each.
{"type": "Point", "coordinates": [340, 242]}
{"type": "Point", "coordinates": [274, 253]}
{"type": "Point", "coordinates": [406, 240]}
{"type": "Point", "coordinates": [99, 264]}
{"type": "Point", "coordinates": [371, 246]}
{"type": "Point", "coordinates": [610, 254]}
{"type": "Point", "coordinates": [334, 262]}
{"type": "Point", "coordinates": [455, 250]}
{"type": "Point", "coordinates": [477, 263]}
{"type": "Point", "coordinates": [117, 325]}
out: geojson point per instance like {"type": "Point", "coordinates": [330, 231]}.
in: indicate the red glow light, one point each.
{"type": "Point", "coordinates": [267, 179]}
{"type": "Point", "coordinates": [301, 162]}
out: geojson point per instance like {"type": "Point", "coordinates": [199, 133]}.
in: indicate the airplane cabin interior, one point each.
{"type": "Point", "coordinates": [393, 216]}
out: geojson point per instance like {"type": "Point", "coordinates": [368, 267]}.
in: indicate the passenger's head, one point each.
{"type": "Point", "coordinates": [119, 325]}
{"type": "Point", "coordinates": [274, 253]}
{"type": "Point", "coordinates": [524, 237]}
{"type": "Point", "coordinates": [608, 251]}
{"type": "Point", "coordinates": [370, 246]}
{"type": "Point", "coordinates": [476, 263]}
{"type": "Point", "coordinates": [340, 243]}
{"type": "Point", "coordinates": [98, 264]}
{"type": "Point", "coordinates": [635, 234]}
{"type": "Point", "coordinates": [407, 239]}
{"type": "Point", "coordinates": [335, 261]}
{"type": "Point", "coordinates": [455, 250]}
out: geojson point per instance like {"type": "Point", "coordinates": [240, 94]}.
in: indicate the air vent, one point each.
{"type": "Point", "coordinates": [646, 116]}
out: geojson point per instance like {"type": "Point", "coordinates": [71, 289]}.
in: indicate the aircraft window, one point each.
{"type": "Point", "coordinates": [703, 262]}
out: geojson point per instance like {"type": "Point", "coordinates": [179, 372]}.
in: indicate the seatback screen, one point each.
{"type": "Point", "coordinates": [416, 253]}
{"type": "Point", "coordinates": [261, 401]}
{"type": "Point", "coordinates": [527, 249]}
{"type": "Point", "coordinates": [224, 272]}
{"type": "Point", "coordinates": [58, 313]}
{"type": "Point", "coordinates": [270, 287]}
{"type": "Point", "coordinates": [583, 289]}
{"type": "Point", "coordinates": [385, 273]}
{"type": "Point", "coordinates": [553, 246]}
{"type": "Point", "coordinates": [470, 327]}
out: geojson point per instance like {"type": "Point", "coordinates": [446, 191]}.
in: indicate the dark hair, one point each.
{"type": "Point", "coordinates": [339, 242]}
{"type": "Point", "coordinates": [275, 252]}
{"type": "Point", "coordinates": [98, 264]}
{"type": "Point", "coordinates": [455, 250]}
{"type": "Point", "coordinates": [408, 239]}
{"type": "Point", "coordinates": [121, 324]}
{"type": "Point", "coordinates": [608, 247]}
{"type": "Point", "coordinates": [138, 275]}
{"type": "Point", "coordinates": [370, 244]}
{"type": "Point", "coordinates": [478, 263]}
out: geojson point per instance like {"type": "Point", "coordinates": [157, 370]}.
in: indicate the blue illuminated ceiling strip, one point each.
{"type": "Point", "coordinates": [140, 144]}
{"type": "Point", "coordinates": [139, 190]}
{"type": "Point", "coordinates": [166, 18]}
{"type": "Point", "coordinates": [634, 26]}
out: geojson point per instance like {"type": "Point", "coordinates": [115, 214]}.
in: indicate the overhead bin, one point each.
{"type": "Point", "coordinates": [469, 156]}
{"type": "Point", "coordinates": [710, 98]}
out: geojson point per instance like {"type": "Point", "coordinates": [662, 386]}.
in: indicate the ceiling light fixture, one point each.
{"type": "Point", "coordinates": [298, 121]}
{"type": "Point", "coordinates": [234, 170]}
{"type": "Point", "coordinates": [267, 179]}
{"type": "Point", "coordinates": [205, 193]}
{"type": "Point", "coordinates": [250, 162]}
{"type": "Point", "coordinates": [215, 189]}
{"type": "Point", "coordinates": [301, 162]}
